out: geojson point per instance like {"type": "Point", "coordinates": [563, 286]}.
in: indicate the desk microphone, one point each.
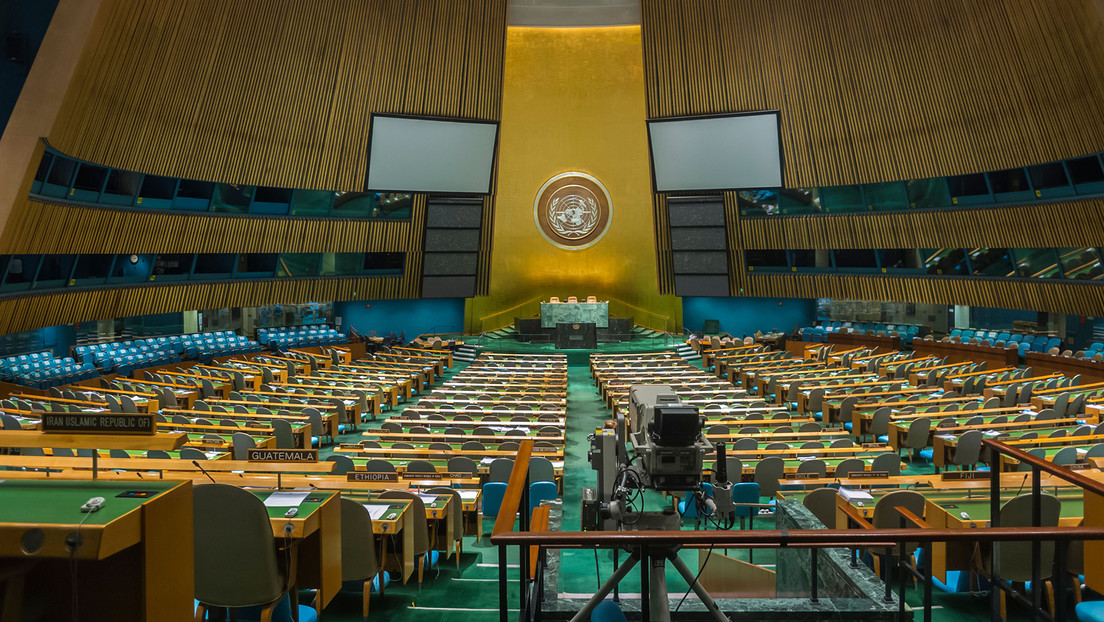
{"type": "Point", "coordinates": [200, 467]}
{"type": "Point", "coordinates": [1022, 484]}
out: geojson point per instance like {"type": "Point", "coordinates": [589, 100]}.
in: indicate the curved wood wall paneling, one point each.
{"type": "Point", "coordinates": [879, 91]}
{"type": "Point", "coordinates": [1045, 225]}
{"type": "Point", "coordinates": [53, 228]}
{"type": "Point", "coordinates": [278, 94]}
{"type": "Point", "coordinates": [38, 310]}
{"type": "Point", "coordinates": [1078, 298]}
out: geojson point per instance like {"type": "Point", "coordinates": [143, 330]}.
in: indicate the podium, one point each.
{"type": "Point", "coordinates": [576, 335]}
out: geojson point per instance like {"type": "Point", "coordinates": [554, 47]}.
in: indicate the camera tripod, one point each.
{"type": "Point", "coordinates": [653, 600]}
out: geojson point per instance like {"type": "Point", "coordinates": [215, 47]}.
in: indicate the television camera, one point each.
{"type": "Point", "coordinates": [667, 453]}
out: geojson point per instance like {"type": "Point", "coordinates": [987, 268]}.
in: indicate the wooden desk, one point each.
{"type": "Point", "coordinates": [1090, 371]}
{"type": "Point", "coordinates": [316, 533]}
{"type": "Point", "coordinates": [136, 554]}
{"type": "Point", "coordinates": [869, 341]}
{"type": "Point", "coordinates": [963, 352]}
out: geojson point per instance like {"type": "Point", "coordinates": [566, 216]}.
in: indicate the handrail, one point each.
{"type": "Point", "coordinates": [782, 538]}
{"type": "Point", "coordinates": [517, 306]}
{"type": "Point", "coordinates": [914, 519]}
{"type": "Point", "coordinates": [1072, 477]}
{"type": "Point", "coordinates": [515, 489]}
{"type": "Point", "coordinates": [854, 515]}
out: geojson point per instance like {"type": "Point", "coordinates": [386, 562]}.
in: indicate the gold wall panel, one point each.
{"type": "Point", "coordinates": [1078, 298]}
{"type": "Point", "coordinates": [277, 93]}
{"type": "Point", "coordinates": [876, 90]}
{"type": "Point", "coordinates": [1049, 225]}
{"type": "Point", "coordinates": [573, 100]}
{"type": "Point", "coordinates": [68, 307]}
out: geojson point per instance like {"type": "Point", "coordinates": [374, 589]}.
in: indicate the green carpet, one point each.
{"type": "Point", "coordinates": [471, 594]}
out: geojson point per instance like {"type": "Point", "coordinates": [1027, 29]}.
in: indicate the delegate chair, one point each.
{"type": "Point", "coordinates": [886, 516]}
{"type": "Point", "coordinates": [359, 559]}
{"type": "Point", "coordinates": [500, 470]}
{"type": "Point", "coordinates": [493, 493]}
{"type": "Point", "coordinates": [422, 553]}
{"type": "Point", "coordinates": [235, 553]}
{"type": "Point", "coordinates": [822, 503]}
{"type": "Point", "coordinates": [1015, 557]}
{"type": "Point", "coordinates": [745, 498]}
{"type": "Point", "coordinates": [541, 491]}
{"type": "Point", "coordinates": [688, 507]}
{"type": "Point", "coordinates": [767, 473]}
{"type": "Point", "coordinates": [344, 464]}
{"type": "Point", "coordinates": [541, 470]}
{"type": "Point", "coordinates": [455, 520]}
{"type": "Point", "coordinates": [242, 444]}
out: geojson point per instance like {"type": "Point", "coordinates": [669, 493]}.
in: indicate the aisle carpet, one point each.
{"type": "Point", "coordinates": [471, 594]}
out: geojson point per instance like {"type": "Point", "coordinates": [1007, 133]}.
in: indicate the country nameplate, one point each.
{"type": "Point", "coordinates": [867, 474]}
{"type": "Point", "coordinates": [368, 476]}
{"type": "Point", "coordinates": [282, 455]}
{"type": "Point", "coordinates": [99, 423]}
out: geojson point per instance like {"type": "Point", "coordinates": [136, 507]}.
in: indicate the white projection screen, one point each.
{"type": "Point", "coordinates": [430, 155]}
{"type": "Point", "coordinates": [716, 153]}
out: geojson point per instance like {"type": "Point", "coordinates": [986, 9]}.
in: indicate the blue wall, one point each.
{"type": "Point", "coordinates": [59, 339]}
{"type": "Point", "coordinates": [999, 319]}
{"type": "Point", "coordinates": [743, 316]}
{"type": "Point", "coordinates": [414, 317]}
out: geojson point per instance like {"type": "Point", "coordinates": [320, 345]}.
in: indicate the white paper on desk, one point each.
{"type": "Point", "coordinates": [211, 455]}
{"type": "Point", "coordinates": [557, 463]}
{"type": "Point", "coordinates": [468, 495]}
{"type": "Point", "coordinates": [487, 460]}
{"type": "Point", "coordinates": [991, 433]}
{"type": "Point", "coordinates": [946, 436]}
{"type": "Point", "coordinates": [499, 428]}
{"type": "Point", "coordinates": [855, 495]}
{"type": "Point", "coordinates": [375, 510]}
{"type": "Point", "coordinates": [427, 499]}
{"type": "Point", "coordinates": [281, 499]}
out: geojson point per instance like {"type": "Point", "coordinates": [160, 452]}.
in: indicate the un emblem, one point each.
{"type": "Point", "coordinates": [572, 210]}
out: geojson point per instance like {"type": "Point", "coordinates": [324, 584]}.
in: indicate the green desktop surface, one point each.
{"type": "Point", "coordinates": [975, 502]}
{"type": "Point", "coordinates": [314, 500]}
{"type": "Point", "coordinates": [227, 438]}
{"type": "Point", "coordinates": [59, 501]}
{"type": "Point", "coordinates": [394, 510]}
{"type": "Point", "coordinates": [977, 507]}
{"type": "Point", "coordinates": [457, 446]}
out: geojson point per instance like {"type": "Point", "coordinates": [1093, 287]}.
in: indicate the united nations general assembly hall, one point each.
{"type": "Point", "coordinates": [551, 310]}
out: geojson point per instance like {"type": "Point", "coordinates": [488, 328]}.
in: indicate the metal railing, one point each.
{"type": "Point", "coordinates": [639, 543]}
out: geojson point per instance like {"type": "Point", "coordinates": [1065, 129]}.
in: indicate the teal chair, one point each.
{"type": "Point", "coordinates": [746, 493]}
{"type": "Point", "coordinates": [1088, 611]}
{"type": "Point", "coordinates": [607, 611]}
{"type": "Point", "coordinates": [688, 507]}
{"type": "Point", "coordinates": [493, 493]}
{"type": "Point", "coordinates": [540, 491]}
